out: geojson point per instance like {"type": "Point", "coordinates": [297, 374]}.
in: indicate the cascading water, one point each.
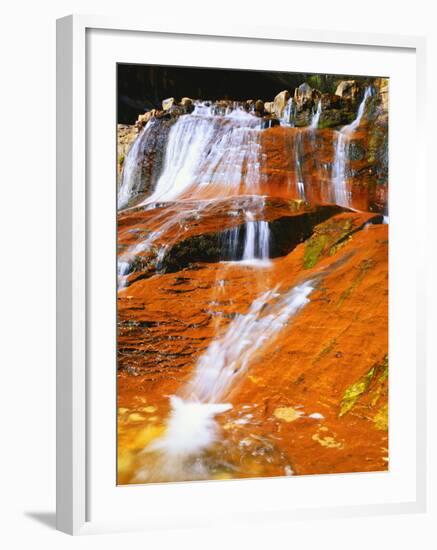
{"type": "Point", "coordinates": [229, 356]}
{"type": "Point", "coordinates": [211, 153]}
{"type": "Point", "coordinates": [249, 243]}
{"type": "Point", "coordinates": [299, 174]}
{"type": "Point", "coordinates": [191, 425]}
{"type": "Point", "coordinates": [341, 195]}
{"type": "Point", "coordinates": [131, 176]}
{"type": "Point", "coordinates": [256, 248]}
{"type": "Point", "coordinates": [287, 118]}
{"type": "Point", "coordinates": [207, 152]}
{"type": "Point", "coordinates": [316, 117]}
{"type": "Point", "coordinates": [340, 192]}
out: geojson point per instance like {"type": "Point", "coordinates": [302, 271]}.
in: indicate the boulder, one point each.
{"type": "Point", "coordinates": [303, 117]}
{"type": "Point", "coordinates": [280, 102]}
{"type": "Point", "coordinates": [330, 118]}
{"type": "Point", "coordinates": [269, 107]}
{"type": "Point", "coordinates": [303, 95]}
{"type": "Point", "coordinates": [186, 102]}
{"type": "Point", "coordinates": [330, 101]}
{"type": "Point", "coordinates": [349, 89]}
{"type": "Point", "coordinates": [259, 106]}
{"type": "Point", "coordinates": [168, 103]}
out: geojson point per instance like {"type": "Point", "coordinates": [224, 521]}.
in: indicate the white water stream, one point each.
{"type": "Point", "coordinates": [341, 195]}
{"type": "Point", "coordinates": [205, 152]}
{"type": "Point", "coordinates": [191, 427]}
{"type": "Point", "coordinates": [316, 117]}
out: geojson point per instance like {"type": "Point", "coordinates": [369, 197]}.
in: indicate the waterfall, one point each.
{"type": "Point", "coordinates": [299, 175]}
{"type": "Point", "coordinates": [316, 117]}
{"type": "Point", "coordinates": [249, 243]}
{"type": "Point", "coordinates": [191, 426]}
{"type": "Point", "coordinates": [210, 153]}
{"type": "Point", "coordinates": [257, 242]}
{"type": "Point", "coordinates": [287, 118]}
{"type": "Point", "coordinates": [341, 195]}
{"type": "Point", "coordinates": [131, 175]}
{"type": "Point", "coordinates": [353, 125]}
{"type": "Point", "coordinates": [229, 356]}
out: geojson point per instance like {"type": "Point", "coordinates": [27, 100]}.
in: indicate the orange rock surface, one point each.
{"type": "Point", "coordinates": [290, 406]}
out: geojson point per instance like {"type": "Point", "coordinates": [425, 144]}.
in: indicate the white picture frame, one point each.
{"type": "Point", "coordinates": [73, 375]}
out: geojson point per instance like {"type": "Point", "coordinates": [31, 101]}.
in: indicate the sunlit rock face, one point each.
{"type": "Point", "coordinates": [253, 288]}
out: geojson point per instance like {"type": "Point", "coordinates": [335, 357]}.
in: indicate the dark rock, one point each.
{"type": "Point", "coordinates": [269, 121]}
{"type": "Point", "coordinates": [286, 233]}
{"type": "Point", "coordinates": [356, 150]}
{"type": "Point", "coordinates": [259, 106]}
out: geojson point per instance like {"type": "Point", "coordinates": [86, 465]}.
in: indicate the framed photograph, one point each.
{"type": "Point", "coordinates": [240, 331]}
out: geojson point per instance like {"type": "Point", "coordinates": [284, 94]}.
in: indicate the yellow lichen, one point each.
{"type": "Point", "coordinates": [288, 414]}
{"type": "Point", "coordinates": [149, 409]}
{"type": "Point", "coordinates": [356, 390]}
{"type": "Point", "coordinates": [381, 418]}
{"type": "Point", "coordinates": [328, 441]}
{"type": "Point", "coordinates": [257, 380]}
{"type": "Point", "coordinates": [135, 417]}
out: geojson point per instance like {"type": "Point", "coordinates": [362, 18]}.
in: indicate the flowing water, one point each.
{"type": "Point", "coordinates": [228, 357]}
{"type": "Point", "coordinates": [288, 115]}
{"type": "Point", "coordinates": [210, 155]}
{"type": "Point", "coordinates": [181, 453]}
{"type": "Point", "coordinates": [341, 195]}
{"type": "Point", "coordinates": [316, 117]}
{"type": "Point", "coordinates": [131, 176]}
{"type": "Point", "coordinates": [298, 154]}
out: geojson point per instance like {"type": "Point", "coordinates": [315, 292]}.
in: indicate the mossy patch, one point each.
{"type": "Point", "coordinates": [378, 373]}
{"type": "Point", "coordinates": [325, 238]}
{"type": "Point", "coordinates": [313, 250]}
{"type": "Point", "coordinates": [381, 418]}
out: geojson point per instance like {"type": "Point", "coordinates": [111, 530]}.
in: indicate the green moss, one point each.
{"type": "Point", "coordinates": [334, 249]}
{"type": "Point", "coordinates": [381, 418]}
{"type": "Point", "coordinates": [315, 81]}
{"type": "Point", "coordinates": [378, 374]}
{"type": "Point", "coordinates": [314, 248]}
{"type": "Point", "coordinates": [354, 392]}
{"type": "Point", "coordinates": [327, 238]}
{"type": "Point", "coordinates": [121, 159]}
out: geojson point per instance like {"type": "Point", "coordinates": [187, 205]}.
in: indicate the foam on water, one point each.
{"type": "Point", "coordinates": [190, 428]}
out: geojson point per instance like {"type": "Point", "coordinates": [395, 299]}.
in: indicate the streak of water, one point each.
{"type": "Point", "coordinates": [191, 428]}
{"type": "Point", "coordinates": [341, 195]}
{"type": "Point", "coordinates": [316, 117]}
